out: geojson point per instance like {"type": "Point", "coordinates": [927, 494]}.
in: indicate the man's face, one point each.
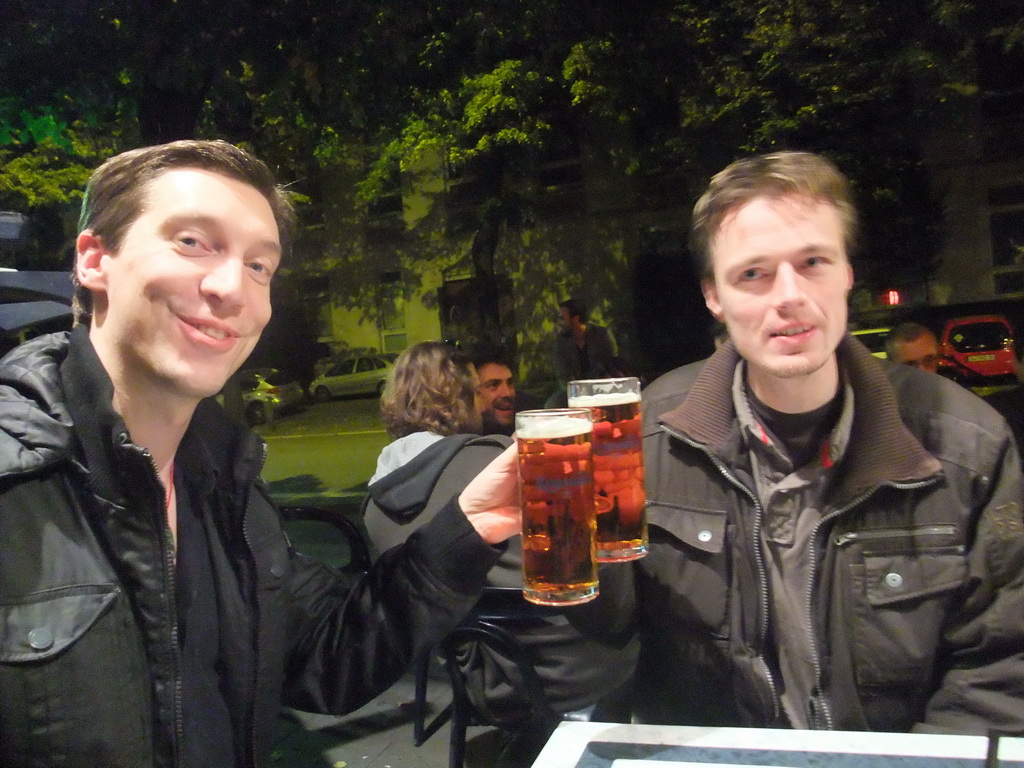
{"type": "Point", "coordinates": [564, 319]}
{"type": "Point", "coordinates": [781, 277]}
{"type": "Point", "coordinates": [922, 352]}
{"type": "Point", "coordinates": [183, 302]}
{"type": "Point", "coordinates": [497, 390]}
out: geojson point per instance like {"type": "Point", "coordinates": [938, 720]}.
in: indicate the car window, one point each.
{"type": "Point", "coordinates": [365, 364]}
{"type": "Point", "coordinates": [978, 337]}
{"type": "Point", "coordinates": [378, 363]}
{"type": "Point", "coordinates": [342, 368]}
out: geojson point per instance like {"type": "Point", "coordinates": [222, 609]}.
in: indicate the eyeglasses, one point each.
{"type": "Point", "coordinates": [928, 361]}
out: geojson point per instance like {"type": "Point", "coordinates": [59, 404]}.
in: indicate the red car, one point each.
{"type": "Point", "coordinates": [978, 350]}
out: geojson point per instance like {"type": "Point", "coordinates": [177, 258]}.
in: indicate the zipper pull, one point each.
{"type": "Point", "coordinates": [842, 539]}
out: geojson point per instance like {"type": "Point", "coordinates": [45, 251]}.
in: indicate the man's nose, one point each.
{"type": "Point", "coordinates": [224, 280]}
{"type": "Point", "coordinates": [787, 287]}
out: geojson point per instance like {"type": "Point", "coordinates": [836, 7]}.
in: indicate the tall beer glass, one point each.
{"type": "Point", "coordinates": [556, 489]}
{"type": "Point", "coordinates": [618, 465]}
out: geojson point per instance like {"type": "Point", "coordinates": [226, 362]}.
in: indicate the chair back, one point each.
{"type": "Point", "coordinates": [328, 535]}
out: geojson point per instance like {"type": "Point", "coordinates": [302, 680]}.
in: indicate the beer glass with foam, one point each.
{"type": "Point", "coordinates": [556, 490]}
{"type": "Point", "coordinates": [618, 465]}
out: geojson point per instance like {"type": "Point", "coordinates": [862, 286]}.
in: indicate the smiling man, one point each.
{"type": "Point", "coordinates": [152, 611]}
{"type": "Point", "coordinates": [496, 392]}
{"type": "Point", "coordinates": [836, 542]}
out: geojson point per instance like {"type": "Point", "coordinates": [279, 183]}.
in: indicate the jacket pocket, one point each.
{"type": "Point", "coordinates": [900, 602]}
{"type": "Point", "coordinates": [687, 564]}
{"type": "Point", "coordinates": [74, 682]}
{"type": "Point", "coordinates": [42, 625]}
{"type": "Point", "coordinates": [699, 529]}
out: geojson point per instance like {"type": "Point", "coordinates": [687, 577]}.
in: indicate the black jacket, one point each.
{"type": "Point", "coordinates": [575, 671]}
{"type": "Point", "coordinates": [916, 605]}
{"type": "Point", "coordinates": [89, 667]}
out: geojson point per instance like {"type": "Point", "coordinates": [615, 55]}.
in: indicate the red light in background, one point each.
{"type": "Point", "coordinates": [891, 298]}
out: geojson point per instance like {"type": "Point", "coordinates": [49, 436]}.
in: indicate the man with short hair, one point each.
{"type": "Point", "coordinates": [496, 390]}
{"type": "Point", "coordinates": [836, 543]}
{"type": "Point", "coordinates": [153, 612]}
{"type": "Point", "coordinates": [913, 344]}
{"type": "Point", "coordinates": [583, 350]}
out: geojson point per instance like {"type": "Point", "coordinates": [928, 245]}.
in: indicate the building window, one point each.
{"type": "Point", "coordinates": [1006, 229]}
{"type": "Point", "coordinates": [388, 202]}
{"type": "Point", "coordinates": [392, 312]}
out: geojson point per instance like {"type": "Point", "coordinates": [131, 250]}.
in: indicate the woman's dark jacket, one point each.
{"type": "Point", "coordinates": [89, 658]}
{"type": "Point", "coordinates": [575, 671]}
{"type": "Point", "coordinates": [916, 605]}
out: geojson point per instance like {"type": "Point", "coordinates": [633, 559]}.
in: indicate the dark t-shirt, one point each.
{"type": "Point", "coordinates": [799, 435]}
{"type": "Point", "coordinates": [208, 737]}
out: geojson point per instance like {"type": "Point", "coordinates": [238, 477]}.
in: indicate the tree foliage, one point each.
{"type": "Point", "coordinates": [496, 86]}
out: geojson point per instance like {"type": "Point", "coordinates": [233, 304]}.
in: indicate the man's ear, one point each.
{"type": "Point", "coordinates": [89, 266]}
{"type": "Point", "coordinates": [710, 291]}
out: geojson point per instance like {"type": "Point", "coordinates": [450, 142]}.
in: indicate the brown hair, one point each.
{"type": "Point", "coordinates": [773, 176]}
{"type": "Point", "coordinates": [432, 388]}
{"type": "Point", "coordinates": [116, 194]}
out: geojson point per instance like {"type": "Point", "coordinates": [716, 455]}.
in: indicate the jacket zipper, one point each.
{"type": "Point", "coordinates": [762, 576]}
{"type": "Point", "coordinates": [843, 539]}
{"type": "Point", "coordinates": [251, 724]}
{"type": "Point", "coordinates": [167, 549]}
{"type": "Point", "coordinates": [818, 700]}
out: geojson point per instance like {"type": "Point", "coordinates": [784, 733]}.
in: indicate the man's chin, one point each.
{"type": "Point", "coordinates": [795, 366]}
{"type": "Point", "coordinates": [505, 418]}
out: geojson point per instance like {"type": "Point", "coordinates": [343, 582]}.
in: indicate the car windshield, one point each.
{"type": "Point", "coordinates": [979, 337]}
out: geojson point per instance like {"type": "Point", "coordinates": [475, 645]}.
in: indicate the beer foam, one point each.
{"type": "Point", "coordinates": [604, 398]}
{"type": "Point", "coordinates": [553, 427]}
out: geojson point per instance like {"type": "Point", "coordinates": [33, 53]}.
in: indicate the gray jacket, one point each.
{"type": "Point", "coordinates": [916, 606]}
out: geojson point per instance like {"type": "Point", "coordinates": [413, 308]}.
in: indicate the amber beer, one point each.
{"type": "Point", "coordinates": [618, 465]}
{"type": "Point", "coordinates": [556, 488]}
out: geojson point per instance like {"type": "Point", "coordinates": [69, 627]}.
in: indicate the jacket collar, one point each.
{"type": "Point", "coordinates": [89, 396]}
{"type": "Point", "coordinates": [213, 451]}
{"type": "Point", "coordinates": [881, 450]}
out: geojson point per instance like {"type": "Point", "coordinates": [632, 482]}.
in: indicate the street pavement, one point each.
{"type": "Point", "coordinates": [324, 453]}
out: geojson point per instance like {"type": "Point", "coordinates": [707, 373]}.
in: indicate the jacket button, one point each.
{"type": "Point", "coordinates": [704, 536]}
{"type": "Point", "coordinates": [40, 639]}
{"type": "Point", "coordinates": [277, 570]}
{"type": "Point", "coordinates": [893, 580]}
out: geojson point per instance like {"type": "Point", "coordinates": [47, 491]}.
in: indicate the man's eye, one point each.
{"type": "Point", "coordinates": [750, 274]}
{"type": "Point", "coordinates": [261, 272]}
{"type": "Point", "coordinates": [814, 261]}
{"type": "Point", "coordinates": [193, 243]}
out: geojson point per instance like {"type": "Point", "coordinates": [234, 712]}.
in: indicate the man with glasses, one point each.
{"type": "Point", "coordinates": [913, 344]}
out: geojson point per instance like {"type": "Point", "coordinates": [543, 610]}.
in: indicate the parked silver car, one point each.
{"type": "Point", "coordinates": [267, 392]}
{"type": "Point", "coordinates": [360, 375]}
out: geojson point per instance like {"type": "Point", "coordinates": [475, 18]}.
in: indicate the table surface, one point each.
{"type": "Point", "coordinates": [612, 745]}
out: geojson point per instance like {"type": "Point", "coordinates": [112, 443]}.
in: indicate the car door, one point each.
{"type": "Point", "coordinates": [339, 378]}
{"type": "Point", "coordinates": [364, 379]}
